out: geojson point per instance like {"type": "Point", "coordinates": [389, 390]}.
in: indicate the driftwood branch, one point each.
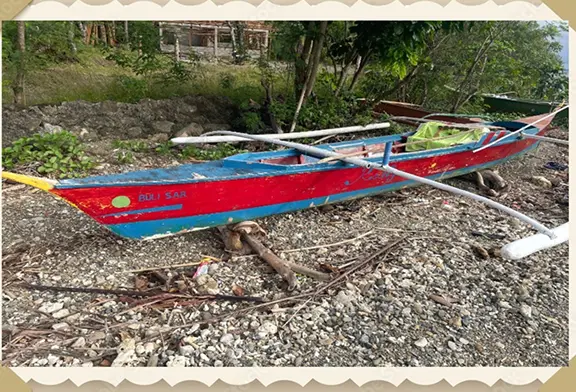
{"type": "Point", "coordinates": [285, 269]}
{"type": "Point", "coordinates": [275, 262]}
{"type": "Point", "coordinates": [490, 183]}
{"type": "Point", "coordinates": [133, 293]}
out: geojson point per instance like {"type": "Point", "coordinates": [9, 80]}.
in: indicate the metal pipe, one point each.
{"type": "Point", "coordinates": [314, 151]}
{"type": "Point", "coordinates": [298, 135]}
{"type": "Point", "coordinates": [521, 129]}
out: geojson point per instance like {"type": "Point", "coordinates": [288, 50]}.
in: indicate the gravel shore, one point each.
{"type": "Point", "coordinates": [435, 300]}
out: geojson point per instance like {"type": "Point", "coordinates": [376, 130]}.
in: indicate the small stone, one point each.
{"type": "Point", "coordinates": [153, 361]}
{"type": "Point", "coordinates": [464, 341]}
{"type": "Point", "coordinates": [177, 361]}
{"type": "Point", "coordinates": [423, 342]}
{"type": "Point", "coordinates": [267, 328]}
{"type": "Point", "coordinates": [526, 311]}
{"type": "Point", "coordinates": [80, 343]}
{"type": "Point", "coordinates": [51, 307]}
{"type": "Point", "coordinates": [500, 345]}
{"type": "Point", "coordinates": [417, 308]}
{"type": "Point", "coordinates": [123, 358]}
{"type": "Point", "coordinates": [523, 293]}
{"type": "Point", "coordinates": [227, 339]}
{"type": "Point", "coordinates": [212, 268]}
{"type": "Point", "coordinates": [218, 363]}
{"type": "Point", "coordinates": [343, 298]}
{"type": "Point", "coordinates": [456, 322]}
{"type": "Point", "coordinates": [140, 349]}
{"type": "Point", "coordinates": [452, 345]}
{"type": "Point", "coordinates": [96, 336]}
{"type": "Point", "coordinates": [52, 359]}
{"type": "Point", "coordinates": [186, 350]}
{"type": "Point", "coordinates": [406, 311]}
{"type": "Point", "coordinates": [505, 305]}
{"type": "Point", "coordinates": [327, 341]}
{"type": "Point", "coordinates": [61, 313]}
{"type": "Point", "coordinates": [88, 364]}
{"type": "Point", "coordinates": [61, 327]}
{"type": "Point", "coordinates": [541, 181]}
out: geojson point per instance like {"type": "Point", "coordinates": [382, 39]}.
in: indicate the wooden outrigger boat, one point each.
{"type": "Point", "coordinates": [166, 201]}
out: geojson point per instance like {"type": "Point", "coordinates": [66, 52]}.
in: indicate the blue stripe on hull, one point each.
{"type": "Point", "coordinates": [159, 228]}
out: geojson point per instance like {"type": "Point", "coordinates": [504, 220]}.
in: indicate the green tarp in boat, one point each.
{"type": "Point", "coordinates": [434, 130]}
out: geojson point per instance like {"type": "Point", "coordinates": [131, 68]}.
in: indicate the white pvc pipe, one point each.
{"type": "Point", "coordinates": [314, 151]}
{"type": "Point", "coordinates": [526, 246]}
{"type": "Point", "coordinates": [278, 136]}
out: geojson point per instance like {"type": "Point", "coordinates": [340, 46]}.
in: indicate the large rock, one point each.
{"type": "Point", "coordinates": [192, 129]}
{"type": "Point", "coordinates": [163, 127]}
{"type": "Point", "coordinates": [216, 127]}
{"type": "Point", "coordinates": [134, 132]}
{"type": "Point", "coordinates": [113, 120]}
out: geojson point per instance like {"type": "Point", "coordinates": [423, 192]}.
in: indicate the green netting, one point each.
{"type": "Point", "coordinates": [433, 130]}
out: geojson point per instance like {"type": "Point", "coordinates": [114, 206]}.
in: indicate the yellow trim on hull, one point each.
{"type": "Point", "coordinates": [36, 182]}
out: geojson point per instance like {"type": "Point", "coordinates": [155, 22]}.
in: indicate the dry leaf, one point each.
{"type": "Point", "coordinates": [140, 282]}
{"type": "Point", "coordinates": [238, 291]}
{"type": "Point", "coordinates": [480, 251]}
{"type": "Point", "coordinates": [443, 299]}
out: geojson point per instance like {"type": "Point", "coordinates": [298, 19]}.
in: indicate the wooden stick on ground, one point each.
{"type": "Point", "coordinates": [275, 262]}
{"type": "Point", "coordinates": [245, 229]}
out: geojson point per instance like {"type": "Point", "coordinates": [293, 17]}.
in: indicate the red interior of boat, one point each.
{"type": "Point", "coordinates": [374, 149]}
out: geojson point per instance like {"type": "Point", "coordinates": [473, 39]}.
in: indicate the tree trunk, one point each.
{"type": "Point", "coordinates": [481, 52]}
{"type": "Point", "coordinates": [315, 58]}
{"type": "Point", "coordinates": [18, 86]}
{"type": "Point", "coordinates": [71, 42]}
{"type": "Point", "coordinates": [232, 37]}
{"type": "Point", "coordinates": [301, 66]}
{"type": "Point", "coordinates": [362, 64]}
{"type": "Point", "coordinates": [102, 33]}
{"type": "Point", "coordinates": [126, 35]}
{"type": "Point", "coordinates": [177, 50]}
{"type": "Point", "coordinates": [82, 27]}
{"type": "Point", "coordinates": [88, 37]}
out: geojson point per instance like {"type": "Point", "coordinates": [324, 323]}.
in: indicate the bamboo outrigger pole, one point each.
{"type": "Point", "coordinates": [550, 238]}
{"type": "Point", "coordinates": [298, 135]}
{"type": "Point", "coordinates": [519, 131]}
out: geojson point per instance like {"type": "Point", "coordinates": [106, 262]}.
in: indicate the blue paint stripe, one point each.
{"type": "Point", "coordinates": [143, 229]}
{"type": "Point", "coordinates": [146, 210]}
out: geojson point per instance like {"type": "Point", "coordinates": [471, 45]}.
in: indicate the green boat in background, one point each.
{"type": "Point", "coordinates": [500, 103]}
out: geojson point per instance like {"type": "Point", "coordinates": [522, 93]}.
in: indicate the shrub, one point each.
{"type": "Point", "coordinates": [56, 155]}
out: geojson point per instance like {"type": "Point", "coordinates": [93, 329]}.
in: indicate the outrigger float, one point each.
{"type": "Point", "coordinates": [154, 203]}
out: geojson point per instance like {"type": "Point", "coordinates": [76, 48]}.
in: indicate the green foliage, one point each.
{"type": "Point", "coordinates": [325, 110]}
{"type": "Point", "coordinates": [125, 157]}
{"type": "Point", "coordinates": [227, 81]}
{"type": "Point", "coordinates": [165, 148]}
{"type": "Point", "coordinates": [131, 145]}
{"type": "Point", "coordinates": [219, 152]}
{"type": "Point", "coordinates": [248, 122]}
{"type": "Point", "coordinates": [56, 155]}
{"type": "Point", "coordinates": [130, 89]}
